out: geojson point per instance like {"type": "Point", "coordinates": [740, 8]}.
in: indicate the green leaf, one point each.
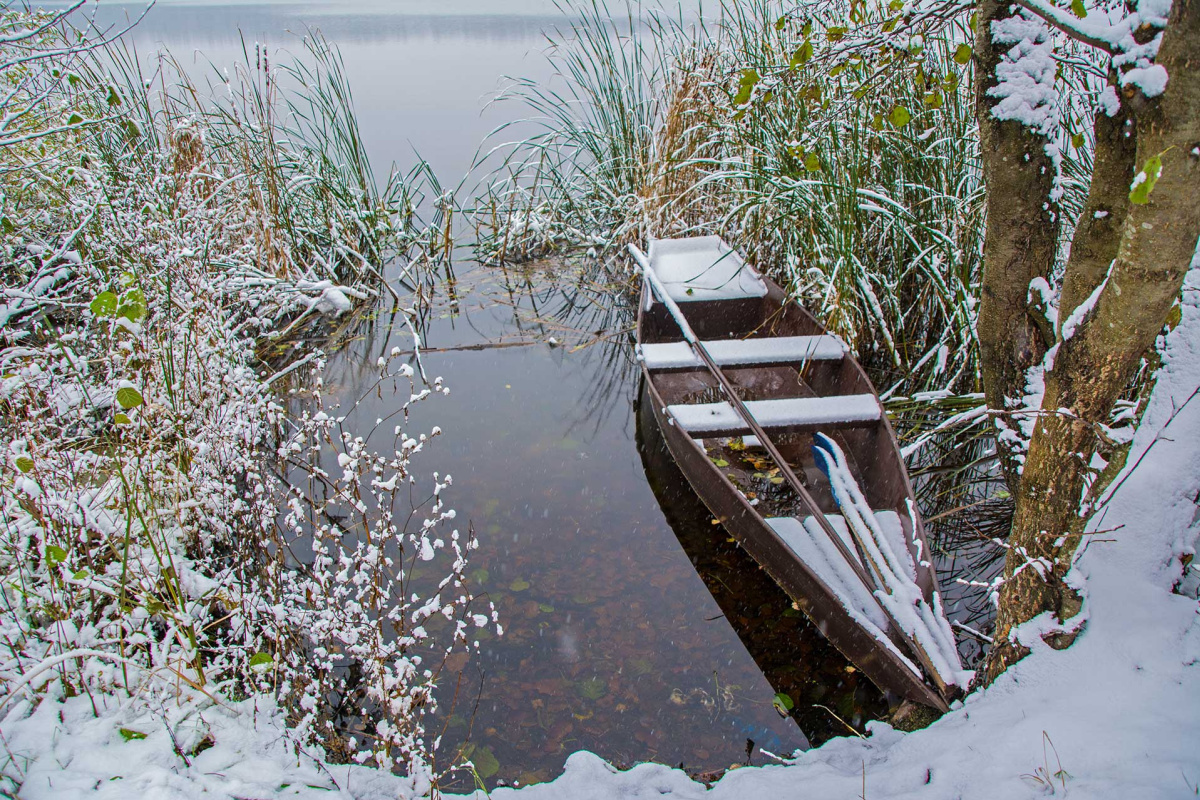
{"type": "Point", "coordinates": [519, 585]}
{"type": "Point", "coordinates": [746, 86]}
{"type": "Point", "coordinates": [899, 116]}
{"type": "Point", "coordinates": [74, 119]}
{"type": "Point", "coordinates": [1077, 140]}
{"type": "Point", "coordinates": [1077, 9]}
{"type": "Point", "coordinates": [129, 397]}
{"type": "Point", "coordinates": [812, 163]}
{"type": "Point", "coordinates": [133, 306]}
{"type": "Point", "coordinates": [933, 99]}
{"type": "Point", "coordinates": [592, 689]}
{"type": "Point", "coordinates": [129, 735]}
{"type": "Point", "coordinates": [720, 462]}
{"type": "Point", "coordinates": [485, 762]}
{"type": "Point", "coordinates": [777, 480]}
{"type": "Point", "coordinates": [962, 53]}
{"type": "Point", "coordinates": [80, 574]}
{"type": "Point", "coordinates": [261, 662]}
{"type": "Point", "coordinates": [121, 419]}
{"type": "Point", "coordinates": [803, 53]}
{"type": "Point", "coordinates": [895, 5]}
{"type": "Point", "coordinates": [104, 304]}
{"type": "Point", "coordinates": [113, 98]}
{"type": "Point", "coordinates": [55, 555]}
{"type": "Point", "coordinates": [545, 608]}
{"type": "Point", "coordinates": [1143, 184]}
{"type": "Point", "coordinates": [806, 30]}
{"type": "Point", "coordinates": [835, 34]}
{"type": "Point", "coordinates": [781, 23]}
{"type": "Point", "coordinates": [481, 575]}
{"type": "Point", "coordinates": [24, 463]}
{"type": "Point", "coordinates": [783, 703]}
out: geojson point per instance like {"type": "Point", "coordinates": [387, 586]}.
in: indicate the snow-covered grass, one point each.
{"type": "Point", "coordinates": [190, 543]}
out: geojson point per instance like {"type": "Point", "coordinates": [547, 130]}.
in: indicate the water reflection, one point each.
{"type": "Point", "coordinates": [613, 643]}
{"type": "Point", "coordinates": [828, 693]}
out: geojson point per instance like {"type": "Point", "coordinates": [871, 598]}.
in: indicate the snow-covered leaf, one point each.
{"type": "Point", "coordinates": [55, 555]}
{"type": "Point", "coordinates": [1143, 184]}
{"type": "Point", "coordinates": [104, 304]}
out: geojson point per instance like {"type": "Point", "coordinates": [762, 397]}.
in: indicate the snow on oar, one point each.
{"type": "Point", "coordinates": [890, 560]}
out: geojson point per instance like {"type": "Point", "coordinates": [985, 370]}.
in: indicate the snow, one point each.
{"type": "Point", "coordinates": [703, 268]}
{"type": "Point", "coordinates": [889, 558]}
{"type": "Point", "coordinates": [1117, 711]}
{"type": "Point", "coordinates": [729, 352]}
{"type": "Point", "coordinates": [709, 418]}
{"type": "Point", "coordinates": [1152, 80]}
{"type": "Point", "coordinates": [808, 540]}
{"type": "Point", "coordinates": [1079, 314]}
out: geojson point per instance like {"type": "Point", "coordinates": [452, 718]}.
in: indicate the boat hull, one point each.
{"type": "Point", "coordinates": [882, 662]}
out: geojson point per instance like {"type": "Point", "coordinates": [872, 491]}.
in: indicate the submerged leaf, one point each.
{"type": "Point", "coordinates": [485, 762]}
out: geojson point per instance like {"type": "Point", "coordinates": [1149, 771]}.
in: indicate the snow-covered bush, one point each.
{"type": "Point", "coordinates": [172, 530]}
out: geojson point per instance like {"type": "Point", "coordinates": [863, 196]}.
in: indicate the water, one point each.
{"type": "Point", "coordinates": [632, 624]}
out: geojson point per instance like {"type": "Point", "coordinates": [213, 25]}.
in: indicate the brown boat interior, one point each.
{"type": "Point", "coordinates": [870, 454]}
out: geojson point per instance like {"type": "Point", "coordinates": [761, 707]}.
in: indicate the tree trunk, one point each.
{"type": "Point", "coordinates": [1098, 234]}
{"type": "Point", "coordinates": [1020, 240]}
{"type": "Point", "coordinates": [1094, 365]}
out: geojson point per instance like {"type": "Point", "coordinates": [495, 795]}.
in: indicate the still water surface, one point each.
{"type": "Point", "coordinates": [632, 623]}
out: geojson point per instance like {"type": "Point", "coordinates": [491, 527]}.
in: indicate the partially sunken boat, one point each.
{"type": "Point", "coordinates": [782, 436]}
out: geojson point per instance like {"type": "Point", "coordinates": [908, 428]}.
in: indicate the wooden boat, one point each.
{"type": "Point", "coordinates": [816, 406]}
{"type": "Point", "coordinates": [793, 656]}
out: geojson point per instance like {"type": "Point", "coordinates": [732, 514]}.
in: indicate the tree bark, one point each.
{"type": "Point", "coordinates": [1158, 244]}
{"type": "Point", "coordinates": [1020, 240]}
{"type": "Point", "coordinates": [1098, 234]}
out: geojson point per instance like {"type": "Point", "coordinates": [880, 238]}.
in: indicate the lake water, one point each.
{"type": "Point", "coordinates": [634, 628]}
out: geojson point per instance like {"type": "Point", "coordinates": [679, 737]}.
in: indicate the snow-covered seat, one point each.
{"type": "Point", "coordinates": [703, 268]}
{"type": "Point", "coordinates": [785, 415]}
{"type": "Point", "coordinates": [744, 352]}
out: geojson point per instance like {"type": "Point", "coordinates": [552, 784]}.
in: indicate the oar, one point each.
{"type": "Point", "coordinates": [784, 467]}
